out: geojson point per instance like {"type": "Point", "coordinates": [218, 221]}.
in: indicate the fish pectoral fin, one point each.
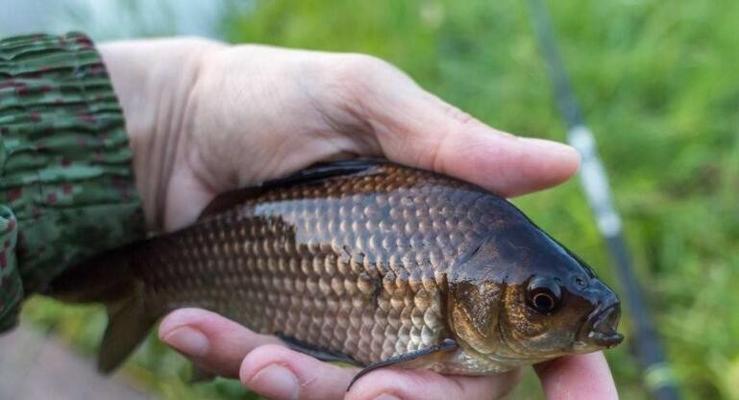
{"type": "Point", "coordinates": [411, 359]}
{"type": "Point", "coordinates": [316, 351]}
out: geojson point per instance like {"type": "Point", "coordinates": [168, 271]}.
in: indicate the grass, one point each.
{"type": "Point", "coordinates": [659, 85]}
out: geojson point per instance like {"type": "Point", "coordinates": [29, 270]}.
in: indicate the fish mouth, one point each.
{"type": "Point", "coordinates": [600, 328]}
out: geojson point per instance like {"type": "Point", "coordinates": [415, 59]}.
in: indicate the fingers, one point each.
{"type": "Point", "coordinates": [416, 128]}
{"type": "Point", "coordinates": [422, 384]}
{"type": "Point", "coordinates": [220, 345]}
{"type": "Point", "coordinates": [436, 136]}
{"type": "Point", "coordinates": [577, 377]}
{"type": "Point", "coordinates": [266, 367]}
{"type": "Point", "coordinates": [212, 342]}
{"type": "Point", "coordinates": [279, 373]}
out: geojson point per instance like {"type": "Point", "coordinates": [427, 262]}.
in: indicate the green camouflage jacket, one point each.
{"type": "Point", "coordinates": [66, 184]}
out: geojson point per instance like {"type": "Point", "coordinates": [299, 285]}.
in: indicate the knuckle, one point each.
{"type": "Point", "coordinates": [364, 63]}
{"type": "Point", "coordinates": [462, 118]}
{"type": "Point", "coordinates": [360, 73]}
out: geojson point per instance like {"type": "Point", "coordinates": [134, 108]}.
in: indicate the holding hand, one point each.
{"type": "Point", "coordinates": [204, 118]}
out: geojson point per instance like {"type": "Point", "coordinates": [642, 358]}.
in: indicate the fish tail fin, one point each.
{"type": "Point", "coordinates": [110, 278]}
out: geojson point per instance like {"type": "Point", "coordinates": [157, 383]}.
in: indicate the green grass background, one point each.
{"type": "Point", "coordinates": [659, 84]}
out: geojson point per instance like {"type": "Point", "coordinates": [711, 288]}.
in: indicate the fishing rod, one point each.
{"type": "Point", "coordinates": [658, 377]}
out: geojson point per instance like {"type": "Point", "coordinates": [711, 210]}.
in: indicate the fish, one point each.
{"type": "Point", "coordinates": [364, 262]}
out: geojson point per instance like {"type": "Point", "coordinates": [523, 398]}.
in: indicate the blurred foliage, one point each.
{"type": "Point", "coordinates": [659, 85]}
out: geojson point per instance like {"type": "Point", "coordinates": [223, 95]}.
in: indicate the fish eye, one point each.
{"type": "Point", "coordinates": [544, 295]}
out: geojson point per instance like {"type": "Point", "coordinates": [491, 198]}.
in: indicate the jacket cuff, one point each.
{"type": "Point", "coordinates": [65, 162]}
{"type": "Point", "coordinates": [11, 290]}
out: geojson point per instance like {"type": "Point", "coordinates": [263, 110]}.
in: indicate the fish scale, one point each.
{"type": "Point", "coordinates": [379, 299]}
{"type": "Point", "coordinates": [365, 261]}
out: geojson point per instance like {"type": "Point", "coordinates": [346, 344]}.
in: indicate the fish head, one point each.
{"type": "Point", "coordinates": [550, 315]}
{"type": "Point", "coordinates": [523, 298]}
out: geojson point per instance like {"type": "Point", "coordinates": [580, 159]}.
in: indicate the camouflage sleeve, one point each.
{"type": "Point", "coordinates": [66, 183]}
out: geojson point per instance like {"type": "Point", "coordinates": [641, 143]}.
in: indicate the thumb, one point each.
{"type": "Point", "coordinates": [416, 128]}
{"type": "Point", "coordinates": [211, 341]}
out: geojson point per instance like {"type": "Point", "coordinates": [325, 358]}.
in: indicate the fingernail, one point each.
{"type": "Point", "coordinates": [550, 146]}
{"type": "Point", "coordinates": [275, 382]}
{"type": "Point", "coordinates": [386, 396]}
{"type": "Point", "coordinates": [188, 341]}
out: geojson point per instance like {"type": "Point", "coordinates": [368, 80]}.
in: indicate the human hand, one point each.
{"type": "Point", "coordinates": [266, 366]}
{"type": "Point", "coordinates": [204, 118]}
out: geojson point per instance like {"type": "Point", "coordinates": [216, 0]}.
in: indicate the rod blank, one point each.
{"type": "Point", "coordinates": [658, 377]}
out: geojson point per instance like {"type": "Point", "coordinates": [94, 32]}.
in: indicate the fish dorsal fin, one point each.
{"type": "Point", "coordinates": [313, 174]}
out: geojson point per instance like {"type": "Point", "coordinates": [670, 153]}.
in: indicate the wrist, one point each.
{"type": "Point", "coordinates": [154, 81]}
